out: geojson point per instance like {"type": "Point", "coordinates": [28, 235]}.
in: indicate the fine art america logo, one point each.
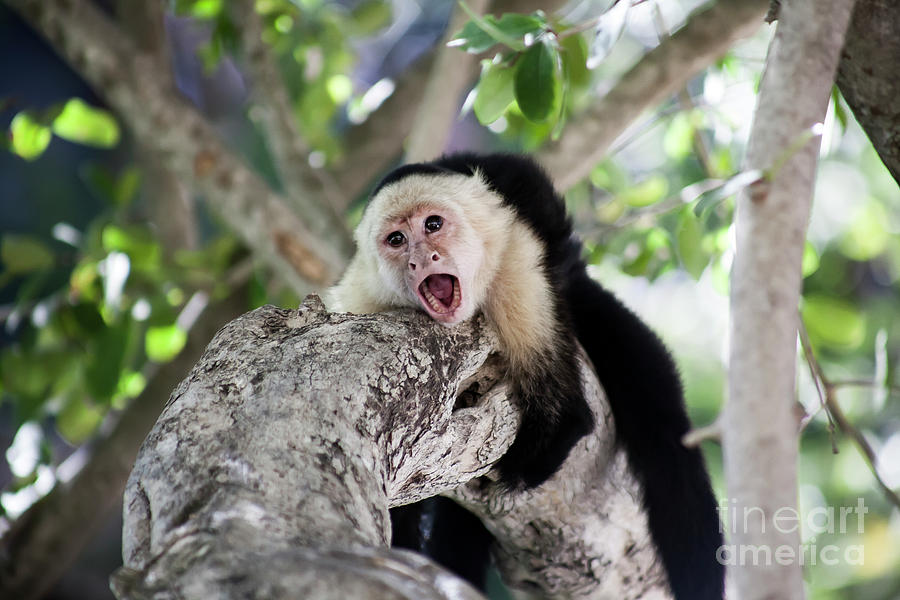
{"type": "Point", "coordinates": [754, 521]}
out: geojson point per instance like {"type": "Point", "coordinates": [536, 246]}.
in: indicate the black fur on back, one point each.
{"type": "Point", "coordinates": [637, 373]}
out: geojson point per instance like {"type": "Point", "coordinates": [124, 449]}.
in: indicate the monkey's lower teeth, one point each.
{"type": "Point", "coordinates": [438, 305]}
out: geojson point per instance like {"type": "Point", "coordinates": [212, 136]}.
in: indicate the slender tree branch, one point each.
{"type": "Point", "coordinates": [133, 83]}
{"type": "Point", "coordinates": [313, 192]}
{"type": "Point", "coordinates": [695, 436]}
{"type": "Point", "coordinates": [818, 377]}
{"type": "Point", "coordinates": [686, 102]}
{"type": "Point", "coordinates": [892, 389]}
{"type": "Point", "coordinates": [450, 76]}
{"type": "Point", "coordinates": [706, 36]}
{"type": "Point", "coordinates": [827, 390]}
{"type": "Point", "coordinates": [861, 442]}
{"type": "Point", "coordinates": [171, 207]}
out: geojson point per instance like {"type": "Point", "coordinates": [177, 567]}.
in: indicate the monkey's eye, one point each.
{"type": "Point", "coordinates": [395, 239]}
{"type": "Point", "coordinates": [433, 223]}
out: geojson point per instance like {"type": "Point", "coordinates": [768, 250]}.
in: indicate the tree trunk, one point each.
{"type": "Point", "coordinates": [759, 431]}
{"type": "Point", "coordinates": [272, 468]}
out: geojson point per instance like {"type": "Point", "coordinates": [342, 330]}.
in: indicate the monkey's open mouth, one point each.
{"type": "Point", "coordinates": [441, 293]}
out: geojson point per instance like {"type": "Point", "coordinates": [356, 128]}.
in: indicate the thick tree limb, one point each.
{"type": "Point", "coordinates": [133, 83]}
{"type": "Point", "coordinates": [45, 540]}
{"type": "Point", "coordinates": [376, 143]}
{"type": "Point", "coordinates": [449, 79]}
{"type": "Point", "coordinates": [171, 207]}
{"type": "Point", "coordinates": [270, 472]}
{"type": "Point", "coordinates": [759, 432]}
{"type": "Point", "coordinates": [313, 192]}
{"type": "Point", "coordinates": [662, 72]}
{"type": "Point", "coordinates": [867, 76]}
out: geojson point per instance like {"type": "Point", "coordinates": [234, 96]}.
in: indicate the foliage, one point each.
{"type": "Point", "coordinates": [91, 310]}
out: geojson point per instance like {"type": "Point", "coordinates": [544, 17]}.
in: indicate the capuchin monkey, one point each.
{"type": "Point", "coordinates": [469, 233]}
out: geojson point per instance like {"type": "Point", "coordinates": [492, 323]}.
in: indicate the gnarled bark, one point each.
{"type": "Point", "coordinates": [272, 468]}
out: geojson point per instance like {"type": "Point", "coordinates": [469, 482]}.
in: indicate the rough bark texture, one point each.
{"type": "Point", "coordinates": [270, 472]}
{"type": "Point", "coordinates": [868, 76]}
{"type": "Point", "coordinates": [759, 432]}
{"type": "Point", "coordinates": [662, 72]}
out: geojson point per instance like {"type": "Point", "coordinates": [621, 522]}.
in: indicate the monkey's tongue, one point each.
{"type": "Point", "coordinates": [441, 286]}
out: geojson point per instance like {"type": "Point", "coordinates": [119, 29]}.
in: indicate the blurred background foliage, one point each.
{"type": "Point", "coordinates": [92, 300]}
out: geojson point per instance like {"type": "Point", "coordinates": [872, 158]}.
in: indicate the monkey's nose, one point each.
{"type": "Point", "coordinates": [412, 266]}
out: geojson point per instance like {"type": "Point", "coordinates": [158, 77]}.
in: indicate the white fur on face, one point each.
{"type": "Point", "coordinates": [469, 243]}
{"type": "Point", "coordinates": [495, 257]}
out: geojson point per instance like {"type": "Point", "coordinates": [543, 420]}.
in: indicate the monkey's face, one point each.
{"type": "Point", "coordinates": [431, 255]}
{"type": "Point", "coordinates": [429, 248]}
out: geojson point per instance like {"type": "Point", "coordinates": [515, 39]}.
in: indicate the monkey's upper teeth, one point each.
{"type": "Point", "coordinates": [441, 291]}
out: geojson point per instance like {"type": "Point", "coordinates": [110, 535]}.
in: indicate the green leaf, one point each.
{"type": "Point", "coordinates": [574, 57]}
{"type": "Point", "coordinates": [29, 137]}
{"type": "Point", "coordinates": [84, 124]}
{"type": "Point", "coordinates": [516, 25]}
{"type": "Point", "coordinates": [608, 31]}
{"type": "Point", "coordinates": [107, 354]}
{"type": "Point", "coordinates": [729, 187]}
{"type": "Point", "coordinates": [162, 344]}
{"type": "Point", "coordinates": [119, 190]}
{"type": "Point", "coordinates": [205, 9]}
{"type": "Point", "coordinates": [472, 39]}
{"type": "Point", "coordinates": [126, 186]}
{"type": "Point", "coordinates": [810, 259]}
{"type": "Point", "coordinates": [536, 85]}
{"type": "Point", "coordinates": [369, 16]}
{"type": "Point", "coordinates": [608, 176]}
{"type": "Point", "coordinates": [650, 191]}
{"type": "Point", "coordinates": [511, 29]}
{"type": "Point", "coordinates": [834, 322]}
{"type": "Point", "coordinates": [678, 142]}
{"type": "Point", "coordinates": [867, 236]}
{"type": "Point", "coordinates": [24, 253]}
{"type": "Point", "coordinates": [81, 320]}
{"type": "Point", "coordinates": [494, 92]}
{"type": "Point", "coordinates": [78, 419]}
{"type": "Point", "coordinates": [689, 243]}
{"type": "Point", "coordinates": [22, 375]}
{"type": "Point", "coordinates": [137, 242]}
{"type": "Point", "coordinates": [840, 112]}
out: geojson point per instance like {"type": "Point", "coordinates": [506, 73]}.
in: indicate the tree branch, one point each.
{"type": "Point", "coordinates": [867, 76]}
{"type": "Point", "coordinates": [171, 207]}
{"type": "Point", "coordinates": [827, 390]}
{"type": "Point", "coordinates": [452, 73]}
{"type": "Point", "coordinates": [704, 38]}
{"type": "Point", "coordinates": [133, 83]}
{"type": "Point", "coordinates": [376, 143]}
{"type": "Point", "coordinates": [759, 430]}
{"type": "Point", "coordinates": [312, 192]}
{"type": "Point", "coordinates": [297, 430]}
